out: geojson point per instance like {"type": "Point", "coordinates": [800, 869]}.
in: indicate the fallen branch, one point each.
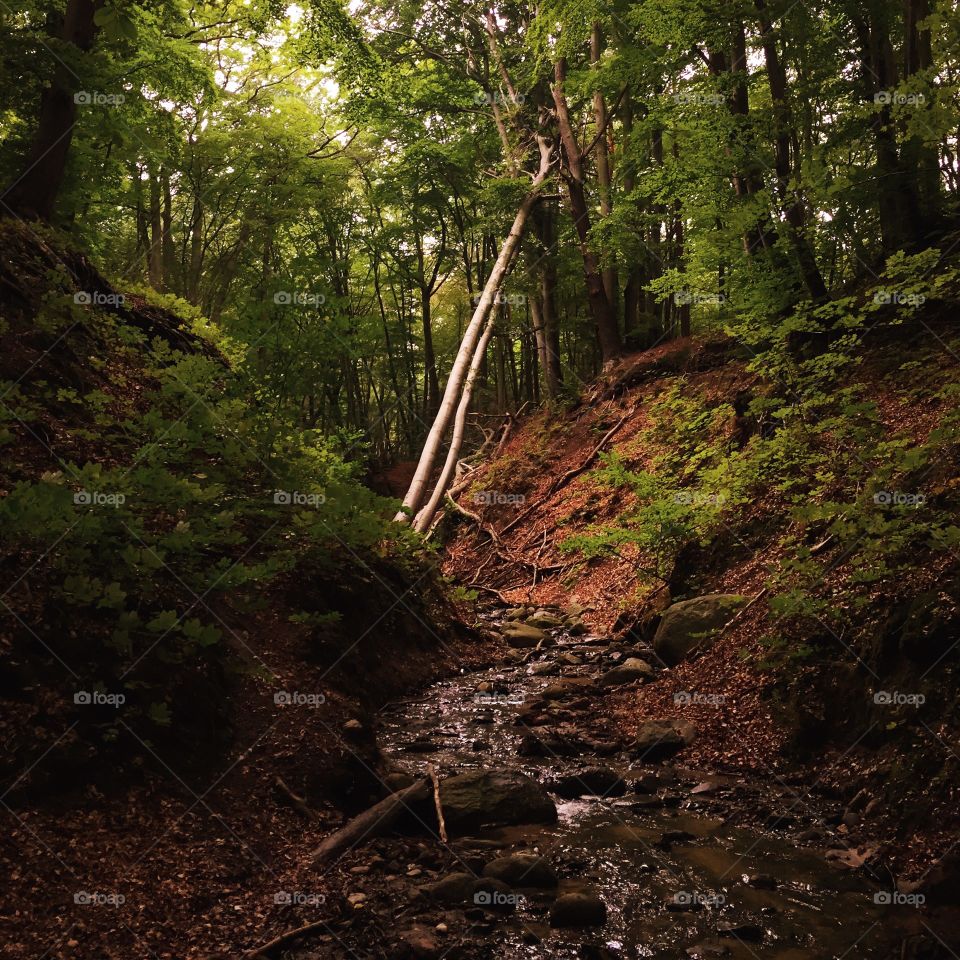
{"type": "Point", "coordinates": [371, 823]}
{"type": "Point", "coordinates": [436, 802]}
{"type": "Point", "coordinates": [286, 938]}
{"type": "Point", "coordinates": [298, 803]}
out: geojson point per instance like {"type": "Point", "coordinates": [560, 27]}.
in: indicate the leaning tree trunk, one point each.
{"type": "Point", "coordinates": [425, 516]}
{"type": "Point", "coordinates": [451, 394]}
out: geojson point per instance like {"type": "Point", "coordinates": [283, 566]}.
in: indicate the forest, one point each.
{"type": "Point", "coordinates": [480, 479]}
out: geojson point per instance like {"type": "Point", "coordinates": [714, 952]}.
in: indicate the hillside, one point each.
{"type": "Point", "coordinates": [826, 499]}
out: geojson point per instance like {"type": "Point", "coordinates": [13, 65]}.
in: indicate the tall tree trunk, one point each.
{"type": "Point", "coordinates": [795, 213]}
{"type": "Point", "coordinates": [917, 154]}
{"type": "Point", "coordinates": [611, 282]}
{"type": "Point", "coordinates": [431, 383]}
{"type": "Point", "coordinates": [451, 394]}
{"type": "Point", "coordinates": [155, 259]}
{"type": "Point", "coordinates": [894, 186]}
{"type": "Point", "coordinates": [605, 321]}
{"type": "Point", "coordinates": [34, 193]}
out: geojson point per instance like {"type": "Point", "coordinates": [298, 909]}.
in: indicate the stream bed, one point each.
{"type": "Point", "coordinates": [678, 875]}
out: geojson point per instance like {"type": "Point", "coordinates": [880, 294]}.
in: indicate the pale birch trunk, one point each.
{"type": "Point", "coordinates": [468, 346]}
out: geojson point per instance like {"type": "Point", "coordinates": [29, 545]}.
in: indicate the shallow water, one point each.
{"type": "Point", "coordinates": [611, 845]}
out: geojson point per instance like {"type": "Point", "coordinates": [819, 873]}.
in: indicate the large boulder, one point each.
{"type": "Point", "coordinates": [521, 635]}
{"type": "Point", "coordinates": [692, 625]}
{"type": "Point", "coordinates": [480, 798]}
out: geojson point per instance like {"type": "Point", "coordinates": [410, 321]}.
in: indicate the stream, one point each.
{"type": "Point", "coordinates": [678, 874]}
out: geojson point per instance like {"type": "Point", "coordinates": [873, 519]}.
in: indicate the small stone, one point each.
{"type": "Point", "coordinates": [356, 899]}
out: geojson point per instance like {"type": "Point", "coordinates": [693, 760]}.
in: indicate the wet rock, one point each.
{"type": "Point", "coordinates": [532, 746]}
{"type": "Point", "coordinates": [692, 625]}
{"type": "Point", "coordinates": [420, 942]}
{"type": "Point", "coordinates": [941, 883]}
{"type": "Point", "coordinates": [567, 687]}
{"type": "Point", "coordinates": [543, 618]}
{"type": "Point", "coordinates": [569, 660]}
{"type": "Point", "coordinates": [422, 745]}
{"type": "Point", "coordinates": [398, 780]}
{"type": "Point", "coordinates": [521, 635]}
{"type": "Point", "coordinates": [746, 932]}
{"type": "Point", "coordinates": [493, 895]}
{"type": "Point", "coordinates": [522, 870]}
{"type": "Point", "coordinates": [630, 670]}
{"type": "Point", "coordinates": [577, 629]}
{"type": "Point", "coordinates": [707, 949]}
{"type": "Point", "coordinates": [676, 836]}
{"type": "Point", "coordinates": [479, 746]}
{"type": "Point", "coordinates": [658, 740]}
{"type": "Point", "coordinates": [762, 881]}
{"type": "Point", "coordinates": [578, 910]}
{"type": "Point", "coordinates": [594, 781]}
{"type": "Point", "coordinates": [516, 613]}
{"type": "Point", "coordinates": [478, 798]}
{"type": "Point", "coordinates": [455, 888]}
{"type": "Point", "coordinates": [546, 669]}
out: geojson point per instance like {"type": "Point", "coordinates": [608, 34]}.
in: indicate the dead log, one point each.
{"type": "Point", "coordinates": [371, 823]}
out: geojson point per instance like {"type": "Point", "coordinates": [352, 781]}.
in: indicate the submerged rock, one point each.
{"type": "Point", "coordinates": [592, 781]}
